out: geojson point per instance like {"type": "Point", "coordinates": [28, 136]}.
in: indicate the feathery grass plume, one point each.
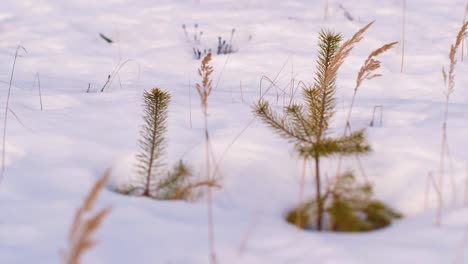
{"type": "Point", "coordinates": [204, 90]}
{"type": "Point", "coordinates": [85, 224]}
{"type": "Point", "coordinates": [345, 49]}
{"type": "Point", "coordinates": [371, 64]}
{"type": "Point", "coordinates": [307, 125]}
{"type": "Point", "coordinates": [464, 37]}
{"type": "Point", "coordinates": [367, 72]}
{"type": "Point", "coordinates": [153, 138]}
{"type": "Point", "coordinates": [449, 81]}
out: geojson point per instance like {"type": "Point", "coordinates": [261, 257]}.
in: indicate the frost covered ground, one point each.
{"type": "Point", "coordinates": [54, 156]}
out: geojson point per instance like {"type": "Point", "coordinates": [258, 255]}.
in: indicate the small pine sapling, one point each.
{"type": "Point", "coordinates": [307, 125]}
{"type": "Point", "coordinates": [156, 181]}
{"type": "Point", "coordinates": [153, 139]}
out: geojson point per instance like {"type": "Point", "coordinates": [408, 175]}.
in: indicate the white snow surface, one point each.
{"type": "Point", "coordinates": [54, 156]}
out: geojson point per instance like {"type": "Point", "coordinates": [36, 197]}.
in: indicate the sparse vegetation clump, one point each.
{"type": "Point", "coordinates": [350, 208]}
{"type": "Point", "coordinates": [200, 50]}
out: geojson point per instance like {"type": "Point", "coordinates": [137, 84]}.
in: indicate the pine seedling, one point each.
{"type": "Point", "coordinates": [307, 125]}
{"type": "Point", "coordinates": [158, 182]}
{"type": "Point", "coordinates": [153, 139]}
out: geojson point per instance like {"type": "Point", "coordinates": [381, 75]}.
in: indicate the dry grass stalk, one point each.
{"type": "Point", "coordinates": [449, 81]}
{"type": "Point", "coordinates": [403, 29]}
{"type": "Point", "coordinates": [299, 223]}
{"type": "Point", "coordinates": [204, 90]}
{"type": "Point", "coordinates": [430, 180]}
{"type": "Point", "coordinates": [465, 200]}
{"type": "Point", "coordinates": [190, 103]}
{"type": "Point", "coordinates": [241, 92]}
{"type": "Point", "coordinates": [367, 72]}
{"type": "Point", "coordinates": [5, 119]}
{"type": "Point", "coordinates": [116, 71]}
{"type": "Point", "coordinates": [464, 38]}
{"type": "Point", "coordinates": [371, 64]}
{"type": "Point", "coordinates": [85, 224]}
{"type": "Point", "coordinates": [39, 87]}
{"type": "Point", "coordinates": [325, 15]}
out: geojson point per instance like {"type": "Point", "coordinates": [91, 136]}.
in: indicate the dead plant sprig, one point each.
{"type": "Point", "coordinates": [449, 82]}
{"type": "Point", "coordinates": [204, 90]}
{"type": "Point", "coordinates": [85, 224]}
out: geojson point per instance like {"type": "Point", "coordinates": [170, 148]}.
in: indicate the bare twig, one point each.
{"type": "Point", "coordinates": [5, 119]}
{"type": "Point", "coordinates": [39, 89]}
{"type": "Point", "coordinates": [242, 94]}
{"type": "Point", "coordinates": [373, 115]}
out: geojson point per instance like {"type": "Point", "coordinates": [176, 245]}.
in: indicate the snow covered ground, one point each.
{"type": "Point", "coordinates": [53, 156]}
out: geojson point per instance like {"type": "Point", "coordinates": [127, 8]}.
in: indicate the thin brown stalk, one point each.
{"type": "Point", "coordinates": [190, 103]}
{"type": "Point", "coordinates": [5, 119]}
{"type": "Point", "coordinates": [426, 191]}
{"type": "Point", "coordinates": [85, 224]}
{"type": "Point", "coordinates": [325, 15]}
{"type": "Point", "coordinates": [465, 202]}
{"type": "Point", "coordinates": [431, 181]}
{"type": "Point", "coordinates": [449, 81]}
{"type": "Point", "coordinates": [36, 77]}
{"type": "Point", "coordinates": [403, 31]}
{"type": "Point", "coordinates": [241, 92]}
